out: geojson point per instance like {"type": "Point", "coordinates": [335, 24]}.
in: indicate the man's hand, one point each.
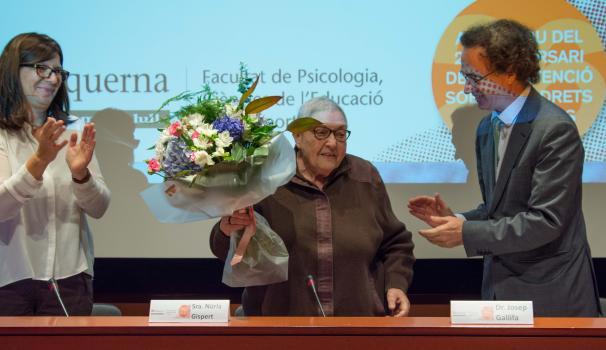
{"type": "Point", "coordinates": [424, 207]}
{"type": "Point", "coordinates": [448, 233]}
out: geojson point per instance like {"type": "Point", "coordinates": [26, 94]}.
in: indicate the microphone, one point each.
{"type": "Point", "coordinates": [312, 284]}
{"type": "Point", "coordinates": [55, 287]}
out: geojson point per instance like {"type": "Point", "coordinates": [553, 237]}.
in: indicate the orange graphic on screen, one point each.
{"type": "Point", "coordinates": [573, 61]}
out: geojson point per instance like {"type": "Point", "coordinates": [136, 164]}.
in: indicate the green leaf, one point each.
{"type": "Point", "coordinates": [245, 81]}
{"type": "Point", "coordinates": [261, 104]}
{"type": "Point", "coordinates": [186, 95]}
{"type": "Point", "coordinates": [262, 151]}
{"type": "Point", "coordinates": [193, 180]}
{"type": "Point", "coordinates": [183, 173]}
{"type": "Point", "coordinates": [302, 124]}
{"type": "Point", "coordinates": [210, 109]}
{"type": "Point", "coordinates": [248, 93]}
{"type": "Point", "coordinates": [238, 152]}
{"type": "Point", "coordinates": [266, 128]}
{"type": "Point", "coordinates": [188, 141]}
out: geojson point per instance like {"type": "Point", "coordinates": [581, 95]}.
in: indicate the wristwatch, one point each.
{"type": "Point", "coordinates": [84, 180]}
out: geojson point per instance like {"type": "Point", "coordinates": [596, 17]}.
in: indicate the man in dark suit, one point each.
{"type": "Point", "coordinates": [530, 227]}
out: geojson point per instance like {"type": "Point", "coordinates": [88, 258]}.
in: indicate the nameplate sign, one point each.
{"type": "Point", "coordinates": [491, 312]}
{"type": "Point", "coordinates": [189, 311]}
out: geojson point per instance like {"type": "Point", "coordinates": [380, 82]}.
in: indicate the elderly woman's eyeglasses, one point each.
{"type": "Point", "coordinates": [322, 133]}
{"type": "Point", "coordinates": [45, 71]}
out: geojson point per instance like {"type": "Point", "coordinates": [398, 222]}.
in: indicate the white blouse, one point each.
{"type": "Point", "coordinates": [43, 227]}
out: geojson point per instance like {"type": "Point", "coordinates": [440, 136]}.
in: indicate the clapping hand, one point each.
{"type": "Point", "coordinates": [48, 147]}
{"type": "Point", "coordinates": [79, 154]}
{"type": "Point", "coordinates": [427, 208]}
{"type": "Point", "coordinates": [447, 234]}
{"type": "Point", "coordinates": [446, 228]}
{"type": "Point", "coordinates": [47, 136]}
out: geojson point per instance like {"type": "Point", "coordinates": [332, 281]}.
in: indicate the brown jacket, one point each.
{"type": "Point", "coordinates": [372, 250]}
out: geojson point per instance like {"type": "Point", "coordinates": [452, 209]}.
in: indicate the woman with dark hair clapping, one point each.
{"type": "Point", "coordinates": [49, 181]}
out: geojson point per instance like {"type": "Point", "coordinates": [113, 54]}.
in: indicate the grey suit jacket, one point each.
{"type": "Point", "coordinates": [530, 227]}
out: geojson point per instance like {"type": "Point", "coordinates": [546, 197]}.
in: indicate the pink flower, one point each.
{"type": "Point", "coordinates": [175, 129]}
{"type": "Point", "coordinates": [153, 166]}
{"type": "Point", "coordinates": [195, 135]}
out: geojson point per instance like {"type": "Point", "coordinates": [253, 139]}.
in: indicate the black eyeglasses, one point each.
{"type": "Point", "coordinates": [322, 133]}
{"type": "Point", "coordinates": [474, 78]}
{"type": "Point", "coordinates": [45, 71]}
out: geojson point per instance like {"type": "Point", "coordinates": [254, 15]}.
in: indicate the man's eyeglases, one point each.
{"type": "Point", "coordinates": [474, 78]}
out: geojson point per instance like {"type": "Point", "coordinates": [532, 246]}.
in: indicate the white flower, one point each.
{"type": "Point", "coordinates": [202, 158]}
{"type": "Point", "coordinates": [232, 111]}
{"type": "Point", "coordinates": [206, 130]}
{"type": "Point", "coordinates": [253, 118]}
{"type": "Point", "coordinates": [219, 152]}
{"type": "Point", "coordinates": [223, 139]}
{"type": "Point", "coordinates": [160, 150]}
{"type": "Point", "coordinates": [195, 120]}
{"type": "Point", "coordinates": [165, 136]}
{"type": "Point", "coordinates": [202, 142]}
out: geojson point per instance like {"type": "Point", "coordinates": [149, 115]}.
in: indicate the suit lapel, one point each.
{"type": "Point", "coordinates": [517, 140]}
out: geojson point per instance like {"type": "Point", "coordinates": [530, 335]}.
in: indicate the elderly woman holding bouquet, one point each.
{"type": "Point", "coordinates": [338, 226]}
{"type": "Point", "coordinates": [49, 182]}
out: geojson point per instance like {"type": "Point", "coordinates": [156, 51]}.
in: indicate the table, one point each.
{"type": "Point", "coordinates": [309, 333]}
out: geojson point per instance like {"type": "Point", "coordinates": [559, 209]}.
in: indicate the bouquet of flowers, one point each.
{"type": "Point", "coordinates": [213, 136]}
{"type": "Point", "coordinates": [218, 155]}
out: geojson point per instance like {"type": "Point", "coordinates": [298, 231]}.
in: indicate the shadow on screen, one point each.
{"type": "Point", "coordinates": [465, 121]}
{"type": "Point", "coordinates": [460, 196]}
{"type": "Point", "coordinates": [127, 216]}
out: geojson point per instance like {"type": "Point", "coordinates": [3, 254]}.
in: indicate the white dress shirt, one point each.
{"type": "Point", "coordinates": [43, 228]}
{"type": "Point", "coordinates": [508, 117]}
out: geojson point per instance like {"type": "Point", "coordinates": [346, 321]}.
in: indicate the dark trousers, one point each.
{"type": "Point", "coordinates": [37, 298]}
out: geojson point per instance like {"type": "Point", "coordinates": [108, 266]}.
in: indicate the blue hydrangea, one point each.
{"type": "Point", "coordinates": [232, 125]}
{"type": "Point", "coordinates": [177, 158]}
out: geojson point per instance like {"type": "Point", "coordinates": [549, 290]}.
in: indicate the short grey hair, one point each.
{"type": "Point", "coordinates": [316, 105]}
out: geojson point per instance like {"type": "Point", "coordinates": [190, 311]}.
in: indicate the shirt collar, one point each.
{"type": "Point", "coordinates": [510, 114]}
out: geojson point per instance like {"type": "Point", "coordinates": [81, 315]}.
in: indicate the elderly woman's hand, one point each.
{"type": "Point", "coordinates": [237, 221]}
{"type": "Point", "coordinates": [79, 154]}
{"type": "Point", "coordinates": [397, 302]}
